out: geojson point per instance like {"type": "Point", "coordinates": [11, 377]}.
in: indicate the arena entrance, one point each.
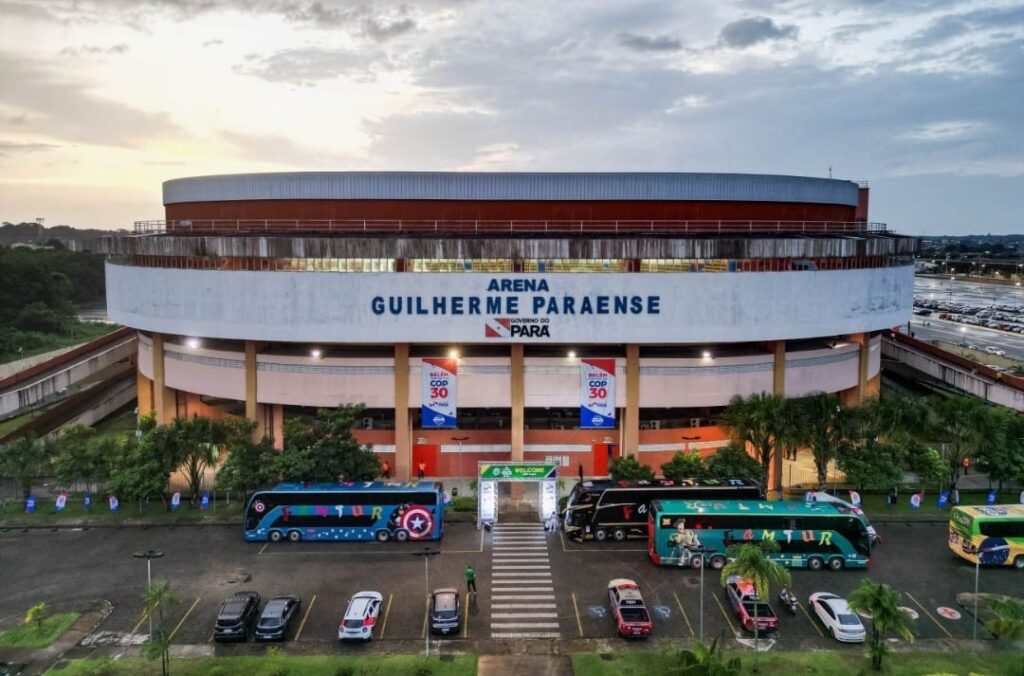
{"type": "Point", "coordinates": [494, 478]}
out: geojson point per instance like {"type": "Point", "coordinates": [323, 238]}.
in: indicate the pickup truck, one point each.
{"type": "Point", "coordinates": [742, 595]}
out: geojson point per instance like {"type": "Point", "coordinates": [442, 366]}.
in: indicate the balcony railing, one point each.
{"type": "Point", "coordinates": [486, 227]}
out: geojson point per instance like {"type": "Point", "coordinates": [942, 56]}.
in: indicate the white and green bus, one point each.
{"type": "Point", "coordinates": [810, 535]}
{"type": "Point", "coordinates": [996, 532]}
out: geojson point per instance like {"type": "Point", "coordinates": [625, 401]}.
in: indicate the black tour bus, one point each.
{"type": "Point", "coordinates": [605, 508]}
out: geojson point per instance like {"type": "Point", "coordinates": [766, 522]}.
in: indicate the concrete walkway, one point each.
{"type": "Point", "coordinates": [515, 665]}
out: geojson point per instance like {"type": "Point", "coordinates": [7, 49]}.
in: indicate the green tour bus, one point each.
{"type": "Point", "coordinates": [809, 534]}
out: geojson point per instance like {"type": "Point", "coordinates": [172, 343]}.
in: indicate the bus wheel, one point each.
{"type": "Point", "coordinates": [294, 536]}
{"type": "Point", "coordinates": [600, 535]}
{"type": "Point", "coordinates": [835, 563]}
{"type": "Point", "coordinates": [401, 535]}
{"type": "Point", "coordinates": [696, 561]}
{"type": "Point", "coordinates": [717, 562]}
{"type": "Point", "coordinates": [619, 534]}
{"type": "Point", "coordinates": [382, 536]}
{"type": "Point", "coordinates": [1018, 562]}
{"type": "Point", "coordinates": [275, 536]}
{"type": "Point", "coordinates": [814, 563]}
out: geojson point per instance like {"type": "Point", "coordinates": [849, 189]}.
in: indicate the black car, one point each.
{"type": "Point", "coordinates": [444, 611]}
{"type": "Point", "coordinates": [236, 617]}
{"type": "Point", "coordinates": [276, 617]}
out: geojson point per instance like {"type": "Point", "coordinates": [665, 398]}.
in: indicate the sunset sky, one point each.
{"type": "Point", "coordinates": [924, 99]}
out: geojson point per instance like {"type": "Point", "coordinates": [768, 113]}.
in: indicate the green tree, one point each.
{"type": "Point", "coordinates": [158, 597]}
{"type": "Point", "coordinates": [683, 466]}
{"type": "Point", "coordinates": [732, 462]}
{"type": "Point", "coordinates": [37, 614]}
{"type": "Point", "coordinates": [24, 460]}
{"type": "Point", "coordinates": [757, 420]}
{"type": "Point", "coordinates": [249, 466]}
{"type": "Point", "coordinates": [80, 456]}
{"type": "Point", "coordinates": [882, 604]}
{"type": "Point", "coordinates": [750, 562]}
{"type": "Point", "coordinates": [323, 448]}
{"type": "Point", "coordinates": [706, 660]}
{"type": "Point", "coordinates": [141, 468]}
{"type": "Point", "coordinates": [629, 468]}
{"type": "Point", "coordinates": [795, 427]}
{"type": "Point", "coordinates": [927, 464]}
{"type": "Point", "coordinates": [1005, 461]}
{"type": "Point", "coordinates": [966, 427]}
{"type": "Point", "coordinates": [1009, 620]}
{"type": "Point", "coordinates": [830, 431]}
{"type": "Point", "coordinates": [873, 464]}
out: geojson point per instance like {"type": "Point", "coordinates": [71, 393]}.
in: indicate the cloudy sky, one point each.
{"type": "Point", "coordinates": [102, 100]}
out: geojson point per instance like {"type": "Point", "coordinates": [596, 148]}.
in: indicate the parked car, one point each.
{"type": "Point", "coordinates": [742, 597]}
{"type": "Point", "coordinates": [628, 609]}
{"type": "Point", "coordinates": [840, 621]}
{"type": "Point", "coordinates": [277, 617]}
{"type": "Point", "coordinates": [236, 616]}
{"type": "Point", "coordinates": [360, 617]}
{"type": "Point", "coordinates": [445, 607]}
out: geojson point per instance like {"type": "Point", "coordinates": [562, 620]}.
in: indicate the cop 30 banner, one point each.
{"type": "Point", "coordinates": [438, 408]}
{"type": "Point", "coordinates": [597, 393]}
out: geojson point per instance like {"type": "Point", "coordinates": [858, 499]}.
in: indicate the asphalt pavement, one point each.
{"type": "Point", "coordinates": [532, 585]}
{"type": "Point", "coordinates": [974, 294]}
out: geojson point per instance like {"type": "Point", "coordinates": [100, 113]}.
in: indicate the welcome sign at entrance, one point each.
{"type": "Point", "coordinates": [597, 393]}
{"type": "Point", "coordinates": [438, 393]}
{"type": "Point", "coordinates": [517, 471]}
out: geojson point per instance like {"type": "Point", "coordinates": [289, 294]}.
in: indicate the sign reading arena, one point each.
{"type": "Point", "coordinates": [517, 307]}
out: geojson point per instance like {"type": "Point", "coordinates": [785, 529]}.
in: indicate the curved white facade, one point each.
{"type": "Point", "coordinates": [485, 382]}
{"type": "Point", "coordinates": [565, 308]}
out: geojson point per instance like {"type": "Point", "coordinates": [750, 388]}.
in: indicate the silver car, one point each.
{"type": "Point", "coordinates": [834, 612]}
{"type": "Point", "coordinates": [360, 617]}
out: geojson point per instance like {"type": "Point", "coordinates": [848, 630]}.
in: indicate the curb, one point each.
{"type": "Point", "coordinates": [100, 526]}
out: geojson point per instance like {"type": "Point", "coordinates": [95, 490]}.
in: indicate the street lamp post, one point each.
{"type": "Point", "coordinates": [977, 574]}
{"type": "Point", "coordinates": [149, 555]}
{"type": "Point", "coordinates": [426, 554]}
{"type": "Point", "coordinates": [963, 335]}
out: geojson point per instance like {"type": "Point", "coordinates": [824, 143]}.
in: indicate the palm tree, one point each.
{"type": "Point", "coordinates": [882, 603]}
{"type": "Point", "coordinates": [831, 430]}
{"type": "Point", "coordinates": [757, 420]}
{"type": "Point", "coordinates": [750, 562]}
{"type": "Point", "coordinates": [158, 596]}
{"type": "Point", "coordinates": [706, 660]}
{"type": "Point", "coordinates": [795, 427]}
{"type": "Point", "coordinates": [966, 426]}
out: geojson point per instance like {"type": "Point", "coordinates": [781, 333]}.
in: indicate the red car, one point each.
{"type": "Point", "coordinates": [742, 596]}
{"type": "Point", "coordinates": [628, 609]}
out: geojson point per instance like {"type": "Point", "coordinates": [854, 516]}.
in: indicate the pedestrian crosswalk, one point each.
{"type": "Point", "coordinates": [522, 591]}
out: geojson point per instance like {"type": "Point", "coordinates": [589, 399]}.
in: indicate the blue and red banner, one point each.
{"type": "Point", "coordinates": [597, 393]}
{"type": "Point", "coordinates": [438, 394]}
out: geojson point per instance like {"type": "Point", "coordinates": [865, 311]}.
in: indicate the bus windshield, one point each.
{"type": "Point", "coordinates": [350, 511]}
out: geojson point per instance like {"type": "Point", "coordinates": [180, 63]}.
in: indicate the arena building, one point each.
{"type": "Point", "coordinates": [567, 317]}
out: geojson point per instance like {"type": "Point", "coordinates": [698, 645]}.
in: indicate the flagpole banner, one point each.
{"type": "Point", "coordinates": [438, 407]}
{"type": "Point", "coordinates": [597, 393]}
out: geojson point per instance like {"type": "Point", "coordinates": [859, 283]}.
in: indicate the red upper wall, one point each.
{"type": "Point", "coordinates": [496, 210]}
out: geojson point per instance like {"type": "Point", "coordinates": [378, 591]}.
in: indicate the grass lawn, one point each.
{"type": "Point", "coordinates": [11, 515]}
{"type": "Point", "coordinates": [874, 503]}
{"type": "Point", "coordinates": [33, 636]}
{"type": "Point", "coordinates": [823, 663]}
{"type": "Point", "coordinates": [35, 342]}
{"type": "Point", "coordinates": [118, 424]}
{"type": "Point", "coordinates": [323, 665]}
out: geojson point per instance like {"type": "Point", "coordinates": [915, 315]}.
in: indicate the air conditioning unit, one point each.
{"type": "Point", "coordinates": [655, 424]}
{"type": "Point", "coordinates": [367, 423]}
{"type": "Point", "coordinates": [694, 422]}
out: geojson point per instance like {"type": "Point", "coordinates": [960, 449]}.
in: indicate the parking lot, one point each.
{"type": "Point", "coordinates": [531, 584]}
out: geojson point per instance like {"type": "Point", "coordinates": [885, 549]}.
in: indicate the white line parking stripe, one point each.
{"type": "Point", "coordinates": [510, 590]}
{"type": "Point", "coordinates": [522, 567]}
{"type": "Point", "coordinates": [524, 597]}
{"type": "Point", "coordinates": [524, 625]}
{"type": "Point", "coordinates": [520, 606]}
{"type": "Point", "coordinates": [525, 634]}
{"type": "Point", "coordinates": [526, 616]}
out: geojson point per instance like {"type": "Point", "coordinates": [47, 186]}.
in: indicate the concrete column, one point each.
{"type": "Point", "coordinates": [854, 396]}
{"type": "Point", "coordinates": [518, 381]}
{"type": "Point", "coordinates": [252, 407]}
{"type": "Point", "coordinates": [403, 431]}
{"type": "Point", "coordinates": [276, 426]}
{"type": "Point", "coordinates": [164, 398]}
{"type": "Point", "coordinates": [144, 393]}
{"type": "Point", "coordinates": [778, 388]}
{"type": "Point", "coordinates": [631, 419]}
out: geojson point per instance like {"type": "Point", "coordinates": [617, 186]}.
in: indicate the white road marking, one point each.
{"type": "Point", "coordinates": [528, 606]}
{"type": "Point", "coordinates": [524, 625]}
{"type": "Point", "coordinates": [524, 597]}
{"type": "Point", "coordinates": [517, 616]}
{"type": "Point", "coordinates": [526, 634]}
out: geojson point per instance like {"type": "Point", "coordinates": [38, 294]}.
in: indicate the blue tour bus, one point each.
{"type": "Point", "coordinates": [360, 510]}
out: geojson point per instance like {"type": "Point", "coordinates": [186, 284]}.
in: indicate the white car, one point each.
{"type": "Point", "coordinates": [834, 612]}
{"type": "Point", "coordinates": [360, 617]}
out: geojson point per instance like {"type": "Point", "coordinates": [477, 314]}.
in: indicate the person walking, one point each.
{"type": "Point", "coordinates": [385, 469]}
{"type": "Point", "coordinates": [421, 470]}
{"type": "Point", "coordinates": [954, 497]}
{"type": "Point", "coordinates": [890, 501]}
{"type": "Point", "coordinates": [470, 580]}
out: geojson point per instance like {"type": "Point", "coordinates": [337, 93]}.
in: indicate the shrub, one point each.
{"type": "Point", "coordinates": [624, 469]}
{"type": "Point", "coordinates": [464, 503]}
